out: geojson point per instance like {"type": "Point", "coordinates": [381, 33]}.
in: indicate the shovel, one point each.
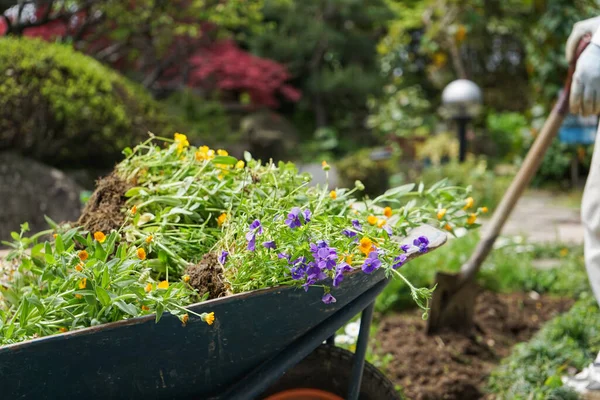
{"type": "Point", "coordinates": [453, 301]}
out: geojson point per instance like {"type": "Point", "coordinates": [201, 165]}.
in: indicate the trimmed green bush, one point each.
{"type": "Point", "coordinates": [64, 108]}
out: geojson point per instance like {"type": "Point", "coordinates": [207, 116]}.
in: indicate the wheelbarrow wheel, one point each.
{"type": "Point", "coordinates": [325, 375]}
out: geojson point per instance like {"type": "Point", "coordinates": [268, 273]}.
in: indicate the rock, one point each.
{"type": "Point", "coordinates": [269, 135]}
{"type": "Point", "coordinates": [29, 190]}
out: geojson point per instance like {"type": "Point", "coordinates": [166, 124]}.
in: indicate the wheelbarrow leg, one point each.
{"type": "Point", "coordinates": [331, 340]}
{"type": "Point", "coordinates": [361, 351]}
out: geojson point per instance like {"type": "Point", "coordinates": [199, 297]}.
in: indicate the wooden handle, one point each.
{"type": "Point", "coordinates": [526, 172]}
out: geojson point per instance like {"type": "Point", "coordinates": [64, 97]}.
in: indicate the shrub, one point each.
{"type": "Point", "coordinates": [64, 108]}
{"type": "Point", "coordinates": [509, 133]}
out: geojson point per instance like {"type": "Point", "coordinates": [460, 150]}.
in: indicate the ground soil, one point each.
{"type": "Point", "coordinates": [207, 277]}
{"type": "Point", "coordinates": [104, 210]}
{"type": "Point", "coordinates": [451, 366]}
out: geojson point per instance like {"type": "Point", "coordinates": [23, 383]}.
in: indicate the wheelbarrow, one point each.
{"type": "Point", "coordinates": [264, 344]}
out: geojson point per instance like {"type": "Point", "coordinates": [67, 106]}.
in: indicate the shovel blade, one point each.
{"type": "Point", "coordinates": [452, 305]}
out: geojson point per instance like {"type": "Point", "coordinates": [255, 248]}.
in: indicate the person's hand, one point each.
{"type": "Point", "coordinates": [580, 29]}
{"type": "Point", "coordinates": [585, 89]}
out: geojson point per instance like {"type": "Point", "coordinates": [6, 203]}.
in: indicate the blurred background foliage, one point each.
{"type": "Point", "coordinates": [344, 75]}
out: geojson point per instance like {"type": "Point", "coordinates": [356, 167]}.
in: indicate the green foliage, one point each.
{"type": "Point", "coordinates": [534, 369]}
{"type": "Point", "coordinates": [509, 132]}
{"type": "Point", "coordinates": [76, 282]}
{"type": "Point", "coordinates": [555, 165]}
{"type": "Point", "coordinates": [64, 108]}
{"type": "Point", "coordinates": [191, 204]}
{"type": "Point", "coordinates": [438, 148]}
{"type": "Point", "coordinates": [544, 44]}
{"type": "Point", "coordinates": [374, 174]}
{"type": "Point", "coordinates": [402, 112]}
{"type": "Point", "coordinates": [205, 117]}
{"type": "Point", "coordinates": [508, 269]}
{"type": "Point", "coordinates": [487, 187]}
{"type": "Point", "coordinates": [330, 50]}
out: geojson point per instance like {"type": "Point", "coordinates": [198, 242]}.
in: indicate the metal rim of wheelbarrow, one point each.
{"type": "Point", "coordinates": [304, 394]}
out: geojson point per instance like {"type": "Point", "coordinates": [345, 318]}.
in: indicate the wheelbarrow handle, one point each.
{"type": "Point", "coordinates": [526, 172]}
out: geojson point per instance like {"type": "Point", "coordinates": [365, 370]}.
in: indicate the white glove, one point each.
{"type": "Point", "coordinates": [585, 89]}
{"type": "Point", "coordinates": [580, 29]}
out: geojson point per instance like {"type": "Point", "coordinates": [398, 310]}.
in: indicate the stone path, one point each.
{"type": "Point", "coordinates": [540, 217]}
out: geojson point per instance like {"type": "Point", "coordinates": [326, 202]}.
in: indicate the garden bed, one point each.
{"type": "Point", "coordinates": [452, 366]}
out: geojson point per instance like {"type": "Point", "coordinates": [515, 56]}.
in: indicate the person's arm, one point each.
{"type": "Point", "coordinates": [585, 91]}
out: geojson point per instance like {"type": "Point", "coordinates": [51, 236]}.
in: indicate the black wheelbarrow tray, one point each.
{"type": "Point", "coordinates": [264, 344]}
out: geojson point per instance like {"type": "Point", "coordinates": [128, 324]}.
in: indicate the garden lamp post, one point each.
{"type": "Point", "coordinates": [461, 101]}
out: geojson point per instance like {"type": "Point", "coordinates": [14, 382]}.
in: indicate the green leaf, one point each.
{"type": "Point", "coordinates": [24, 312]}
{"type": "Point", "coordinates": [134, 191]}
{"type": "Point", "coordinates": [399, 191]}
{"type": "Point", "coordinates": [105, 277]}
{"type": "Point", "coordinates": [37, 303]}
{"type": "Point", "coordinates": [103, 296]}
{"type": "Point", "coordinates": [247, 156]}
{"type": "Point", "coordinates": [36, 251]}
{"type": "Point", "coordinates": [553, 381]}
{"type": "Point", "coordinates": [226, 160]}
{"type": "Point", "coordinates": [15, 236]}
{"type": "Point", "coordinates": [178, 210]}
{"type": "Point", "coordinates": [121, 251]}
{"type": "Point", "coordinates": [99, 252]}
{"type": "Point", "coordinates": [47, 249]}
{"type": "Point", "coordinates": [58, 243]}
{"type": "Point", "coordinates": [50, 222]}
{"type": "Point", "coordinates": [437, 185]}
{"type": "Point", "coordinates": [25, 225]}
{"type": "Point", "coordinates": [159, 311]}
{"type": "Point", "coordinates": [9, 295]}
{"type": "Point", "coordinates": [421, 187]}
{"type": "Point", "coordinates": [127, 308]}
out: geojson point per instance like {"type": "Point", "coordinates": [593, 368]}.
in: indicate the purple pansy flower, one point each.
{"type": "Point", "coordinates": [349, 233]}
{"type": "Point", "coordinates": [399, 261]}
{"type": "Point", "coordinates": [328, 298]}
{"type": "Point", "coordinates": [356, 225]}
{"type": "Point", "coordinates": [371, 263]}
{"type": "Point", "coordinates": [339, 273]}
{"type": "Point", "coordinates": [293, 220]}
{"type": "Point", "coordinates": [283, 255]}
{"type": "Point", "coordinates": [223, 257]}
{"type": "Point", "coordinates": [254, 229]}
{"type": "Point", "coordinates": [298, 260]}
{"type": "Point", "coordinates": [388, 229]}
{"type": "Point", "coordinates": [315, 273]}
{"type": "Point", "coordinates": [270, 244]}
{"type": "Point", "coordinates": [405, 248]}
{"type": "Point", "coordinates": [422, 242]}
{"type": "Point", "coordinates": [324, 255]}
{"type": "Point", "coordinates": [298, 272]}
{"type": "Point", "coordinates": [307, 214]}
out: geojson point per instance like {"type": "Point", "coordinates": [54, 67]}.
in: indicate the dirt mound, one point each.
{"type": "Point", "coordinates": [104, 210]}
{"type": "Point", "coordinates": [207, 277]}
{"type": "Point", "coordinates": [451, 366]}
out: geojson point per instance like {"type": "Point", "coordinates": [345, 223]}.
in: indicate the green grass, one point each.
{"type": "Point", "coordinates": [508, 269]}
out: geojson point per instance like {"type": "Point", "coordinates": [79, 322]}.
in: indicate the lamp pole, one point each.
{"type": "Point", "coordinates": [461, 123]}
{"type": "Point", "coordinates": [461, 101]}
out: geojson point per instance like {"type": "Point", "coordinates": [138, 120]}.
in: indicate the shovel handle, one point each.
{"type": "Point", "coordinates": [526, 172]}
